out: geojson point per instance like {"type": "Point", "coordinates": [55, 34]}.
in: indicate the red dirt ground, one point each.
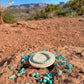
{"type": "Point", "coordinates": [65, 34]}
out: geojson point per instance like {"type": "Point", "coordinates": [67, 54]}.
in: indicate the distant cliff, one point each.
{"type": "Point", "coordinates": [29, 6]}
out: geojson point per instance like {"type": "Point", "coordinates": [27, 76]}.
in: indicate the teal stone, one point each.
{"type": "Point", "coordinates": [54, 53]}
{"type": "Point", "coordinates": [30, 54]}
{"type": "Point", "coordinates": [57, 52]}
{"type": "Point", "coordinates": [62, 56]}
{"type": "Point", "coordinates": [18, 74]}
{"type": "Point", "coordinates": [45, 77]}
{"type": "Point", "coordinates": [59, 72]}
{"type": "Point", "coordinates": [21, 71]}
{"type": "Point", "coordinates": [21, 55]}
{"type": "Point", "coordinates": [17, 83]}
{"type": "Point", "coordinates": [46, 74]}
{"type": "Point", "coordinates": [56, 60]}
{"type": "Point", "coordinates": [10, 77]}
{"type": "Point", "coordinates": [18, 69]}
{"type": "Point", "coordinates": [50, 81]}
{"type": "Point", "coordinates": [62, 63]}
{"type": "Point", "coordinates": [69, 66]}
{"type": "Point", "coordinates": [40, 80]}
{"type": "Point", "coordinates": [37, 75]}
{"type": "Point", "coordinates": [10, 67]}
{"type": "Point", "coordinates": [44, 50]}
{"type": "Point", "coordinates": [51, 75]}
{"type": "Point", "coordinates": [66, 71]}
{"type": "Point", "coordinates": [44, 80]}
{"type": "Point", "coordinates": [58, 57]}
{"type": "Point", "coordinates": [23, 60]}
{"type": "Point", "coordinates": [56, 64]}
{"type": "Point", "coordinates": [33, 74]}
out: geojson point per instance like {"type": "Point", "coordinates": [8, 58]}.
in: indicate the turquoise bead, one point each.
{"type": "Point", "coordinates": [17, 83]}
{"type": "Point", "coordinates": [57, 52]}
{"type": "Point", "coordinates": [54, 53]}
{"type": "Point", "coordinates": [45, 77]}
{"type": "Point", "coordinates": [69, 66]}
{"type": "Point", "coordinates": [33, 74]}
{"type": "Point", "coordinates": [30, 54]}
{"type": "Point", "coordinates": [62, 63]}
{"type": "Point", "coordinates": [58, 57]}
{"type": "Point", "coordinates": [18, 69]}
{"type": "Point", "coordinates": [59, 72]}
{"type": "Point", "coordinates": [44, 80]}
{"type": "Point", "coordinates": [23, 60]}
{"type": "Point", "coordinates": [46, 74]}
{"type": "Point", "coordinates": [12, 76]}
{"type": "Point", "coordinates": [21, 71]}
{"type": "Point", "coordinates": [37, 75]}
{"type": "Point", "coordinates": [51, 75]}
{"type": "Point", "coordinates": [40, 80]}
{"type": "Point", "coordinates": [56, 60]}
{"type": "Point", "coordinates": [44, 50]}
{"type": "Point", "coordinates": [21, 55]}
{"type": "Point", "coordinates": [50, 81]}
{"type": "Point", "coordinates": [66, 71]}
{"type": "Point", "coordinates": [18, 74]}
{"type": "Point", "coordinates": [62, 56]}
{"type": "Point", "coordinates": [10, 67]}
{"type": "Point", "coordinates": [56, 64]}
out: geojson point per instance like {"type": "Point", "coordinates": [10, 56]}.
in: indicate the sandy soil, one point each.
{"type": "Point", "coordinates": [63, 35]}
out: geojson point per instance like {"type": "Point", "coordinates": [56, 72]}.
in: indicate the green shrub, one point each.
{"type": "Point", "coordinates": [8, 18]}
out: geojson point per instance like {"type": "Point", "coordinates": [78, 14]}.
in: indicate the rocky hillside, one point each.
{"type": "Point", "coordinates": [29, 6]}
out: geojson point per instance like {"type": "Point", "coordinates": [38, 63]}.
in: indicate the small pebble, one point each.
{"type": "Point", "coordinates": [28, 83]}
{"type": "Point", "coordinates": [57, 52]}
{"type": "Point", "coordinates": [17, 83]}
{"type": "Point", "coordinates": [69, 66]}
{"type": "Point", "coordinates": [37, 75]}
{"type": "Point", "coordinates": [30, 54]}
{"type": "Point", "coordinates": [50, 81]}
{"type": "Point", "coordinates": [23, 60]}
{"type": "Point", "coordinates": [18, 69]}
{"type": "Point", "coordinates": [40, 80]}
{"type": "Point", "coordinates": [62, 56]}
{"type": "Point", "coordinates": [51, 75]}
{"type": "Point", "coordinates": [58, 57]}
{"type": "Point", "coordinates": [10, 77]}
{"type": "Point", "coordinates": [66, 71]}
{"type": "Point", "coordinates": [46, 74]}
{"type": "Point", "coordinates": [33, 74]}
{"type": "Point", "coordinates": [59, 72]}
{"type": "Point", "coordinates": [62, 63]}
{"type": "Point", "coordinates": [56, 60]}
{"type": "Point", "coordinates": [44, 50]}
{"type": "Point", "coordinates": [56, 64]}
{"type": "Point", "coordinates": [18, 74]}
{"type": "Point", "coordinates": [21, 71]}
{"type": "Point", "coordinates": [44, 80]}
{"type": "Point", "coordinates": [45, 77]}
{"type": "Point", "coordinates": [21, 55]}
{"type": "Point", "coordinates": [10, 67]}
{"type": "Point", "coordinates": [54, 53]}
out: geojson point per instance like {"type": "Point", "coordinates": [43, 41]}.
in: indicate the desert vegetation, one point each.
{"type": "Point", "coordinates": [2, 9]}
{"type": "Point", "coordinates": [73, 8]}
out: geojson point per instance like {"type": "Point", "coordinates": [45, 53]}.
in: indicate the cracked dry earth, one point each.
{"type": "Point", "coordinates": [63, 35]}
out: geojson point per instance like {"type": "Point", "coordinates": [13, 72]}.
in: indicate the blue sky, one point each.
{"type": "Point", "coordinates": [17, 2]}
